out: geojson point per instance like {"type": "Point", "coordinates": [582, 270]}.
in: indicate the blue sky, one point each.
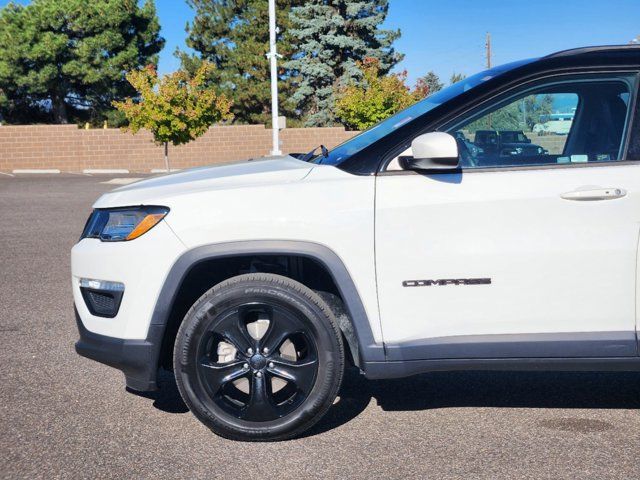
{"type": "Point", "coordinates": [449, 36]}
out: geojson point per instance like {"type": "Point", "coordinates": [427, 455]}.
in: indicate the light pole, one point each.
{"type": "Point", "coordinates": [273, 58]}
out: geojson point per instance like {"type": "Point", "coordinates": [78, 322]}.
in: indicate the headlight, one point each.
{"type": "Point", "coordinates": [119, 224]}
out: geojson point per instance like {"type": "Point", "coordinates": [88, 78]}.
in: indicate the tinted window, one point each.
{"type": "Point", "coordinates": [569, 122]}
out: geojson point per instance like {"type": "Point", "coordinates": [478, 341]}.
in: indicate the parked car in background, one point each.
{"type": "Point", "coordinates": [399, 252]}
{"type": "Point", "coordinates": [502, 143]}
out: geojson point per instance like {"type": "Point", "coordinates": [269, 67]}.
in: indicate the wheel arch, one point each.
{"type": "Point", "coordinates": [175, 296]}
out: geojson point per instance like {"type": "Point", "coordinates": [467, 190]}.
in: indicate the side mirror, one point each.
{"type": "Point", "coordinates": [432, 151]}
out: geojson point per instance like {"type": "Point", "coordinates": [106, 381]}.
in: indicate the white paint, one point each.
{"type": "Point", "coordinates": [7, 174]}
{"type": "Point", "coordinates": [164, 188]}
{"type": "Point", "coordinates": [434, 145]}
{"type": "Point", "coordinates": [35, 170]}
{"type": "Point", "coordinates": [556, 265]}
{"type": "Point", "coordinates": [275, 199]}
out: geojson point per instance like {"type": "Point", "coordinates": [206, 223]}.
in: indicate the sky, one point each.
{"type": "Point", "coordinates": [449, 36]}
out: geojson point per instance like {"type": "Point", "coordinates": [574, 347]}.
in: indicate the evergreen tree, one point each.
{"type": "Point", "coordinates": [66, 59]}
{"type": "Point", "coordinates": [429, 84]}
{"type": "Point", "coordinates": [457, 77]}
{"type": "Point", "coordinates": [331, 37]}
{"type": "Point", "coordinates": [234, 36]}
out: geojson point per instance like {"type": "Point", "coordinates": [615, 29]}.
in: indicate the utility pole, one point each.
{"type": "Point", "coordinates": [273, 58]}
{"type": "Point", "coordinates": [488, 47]}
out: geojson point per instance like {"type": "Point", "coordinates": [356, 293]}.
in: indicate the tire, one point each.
{"type": "Point", "coordinates": [242, 391]}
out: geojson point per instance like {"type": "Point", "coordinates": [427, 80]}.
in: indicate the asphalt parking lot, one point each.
{"type": "Point", "coordinates": [65, 416]}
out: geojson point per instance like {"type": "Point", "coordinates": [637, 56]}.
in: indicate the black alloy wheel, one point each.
{"type": "Point", "coordinates": [259, 361]}
{"type": "Point", "coordinates": [259, 357]}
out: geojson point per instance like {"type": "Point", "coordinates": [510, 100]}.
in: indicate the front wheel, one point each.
{"type": "Point", "coordinates": [259, 357]}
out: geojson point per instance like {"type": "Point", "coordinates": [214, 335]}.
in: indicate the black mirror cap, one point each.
{"type": "Point", "coordinates": [436, 164]}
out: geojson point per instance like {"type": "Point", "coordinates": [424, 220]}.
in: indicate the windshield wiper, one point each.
{"type": "Point", "coordinates": [312, 154]}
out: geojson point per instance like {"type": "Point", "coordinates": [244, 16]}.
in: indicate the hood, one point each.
{"type": "Point", "coordinates": [272, 170]}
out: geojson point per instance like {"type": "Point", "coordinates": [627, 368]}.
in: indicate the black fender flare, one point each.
{"type": "Point", "coordinates": [367, 350]}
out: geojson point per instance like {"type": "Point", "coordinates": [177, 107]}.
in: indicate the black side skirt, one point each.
{"type": "Point", "coordinates": [406, 368]}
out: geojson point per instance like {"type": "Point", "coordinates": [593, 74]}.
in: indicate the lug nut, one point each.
{"type": "Point", "coordinates": [271, 365]}
{"type": "Point", "coordinates": [250, 351]}
{"type": "Point", "coordinates": [245, 366]}
{"type": "Point", "coordinates": [258, 374]}
{"type": "Point", "coordinates": [265, 350]}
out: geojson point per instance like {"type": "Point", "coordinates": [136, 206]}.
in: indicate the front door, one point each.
{"type": "Point", "coordinates": [531, 250]}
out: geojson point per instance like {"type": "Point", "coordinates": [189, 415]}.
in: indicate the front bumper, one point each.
{"type": "Point", "coordinates": [137, 359]}
{"type": "Point", "coordinates": [128, 340]}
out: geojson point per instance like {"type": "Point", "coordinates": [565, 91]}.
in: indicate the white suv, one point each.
{"type": "Point", "coordinates": [428, 242]}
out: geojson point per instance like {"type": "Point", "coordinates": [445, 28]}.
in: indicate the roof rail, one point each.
{"type": "Point", "coordinates": [592, 49]}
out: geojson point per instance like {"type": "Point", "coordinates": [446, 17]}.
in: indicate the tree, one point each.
{"type": "Point", "coordinates": [176, 108]}
{"type": "Point", "coordinates": [331, 37]}
{"type": "Point", "coordinates": [64, 59]}
{"type": "Point", "coordinates": [457, 77]}
{"type": "Point", "coordinates": [234, 36]}
{"type": "Point", "coordinates": [362, 104]}
{"type": "Point", "coordinates": [535, 106]}
{"type": "Point", "coordinates": [429, 84]}
{"type": "Point", "coordinates": [519, 115]}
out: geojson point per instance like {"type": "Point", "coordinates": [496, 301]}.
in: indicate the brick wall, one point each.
{"type": "Point", "coordinates": [68, 148]}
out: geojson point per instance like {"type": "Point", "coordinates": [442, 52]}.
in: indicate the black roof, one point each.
{"type": "Point", "coordinates": [596, 49]}
{"type": "Point", "coordinates": [604, 55]}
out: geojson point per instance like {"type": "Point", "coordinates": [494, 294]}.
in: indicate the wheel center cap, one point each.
{"type": "Point", "coordinates": [257, 361]}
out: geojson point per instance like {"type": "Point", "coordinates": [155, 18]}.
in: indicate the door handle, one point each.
{"type": "Point", "coordinates": [592, 194]}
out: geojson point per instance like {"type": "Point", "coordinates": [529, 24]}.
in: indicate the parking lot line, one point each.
{"type": "Point", "coordinates": [36, 170]}
{"type": "Point", "coordinates": [121, 181]}
{"type": "Point", "coordinates": [105, 170]}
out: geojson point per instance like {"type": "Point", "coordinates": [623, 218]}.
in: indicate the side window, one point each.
{"type": "Point", "coordinates": [570, 122]}
{"type": "Point", "coordinates": [508, 131]}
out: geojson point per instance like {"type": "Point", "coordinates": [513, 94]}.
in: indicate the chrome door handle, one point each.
{"type": "Point", "coordinates": [591, 194]}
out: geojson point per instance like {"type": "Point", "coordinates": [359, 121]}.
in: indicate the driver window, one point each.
{"type": "Point", "coordinates": [571, 122]}
{"type": "Point", "coordinates": [567, 123]}
{"type": "Point", "coordinates": [534, 129]}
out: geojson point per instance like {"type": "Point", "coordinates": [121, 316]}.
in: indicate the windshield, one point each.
{"type": "Point", "coordinates": [384, 128]}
